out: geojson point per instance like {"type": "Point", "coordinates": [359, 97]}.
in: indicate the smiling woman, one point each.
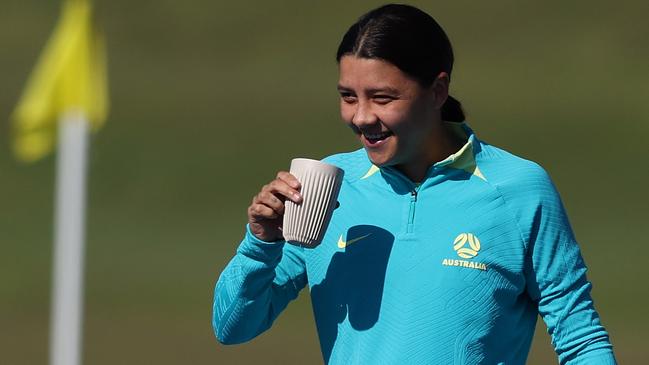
{"type": "Point", "coordinates": [444, 249]}
{"type": "Point", "coordinates": [396, 118]}
{"type": "Point", "coordinates": [395, 69]}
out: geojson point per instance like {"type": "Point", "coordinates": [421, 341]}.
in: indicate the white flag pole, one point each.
{"type": "Point", "coordinates": [69, 230]}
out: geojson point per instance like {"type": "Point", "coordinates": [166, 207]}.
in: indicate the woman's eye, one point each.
{"type": "Point", "coordinates": [348, 98]}
{"type": "Point", "coordinates": [382, 99]}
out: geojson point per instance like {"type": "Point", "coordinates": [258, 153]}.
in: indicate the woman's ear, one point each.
{"type": "Point", "coordinates": [440, 89]}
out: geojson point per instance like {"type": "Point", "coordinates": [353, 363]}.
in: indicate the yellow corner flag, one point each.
{"type": "Point", "coordinates": [70, 76]}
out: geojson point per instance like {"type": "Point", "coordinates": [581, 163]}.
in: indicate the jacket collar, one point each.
{"type": "Point", "coordinates": [463, 159]}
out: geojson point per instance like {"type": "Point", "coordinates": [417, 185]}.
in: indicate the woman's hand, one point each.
{"type": "Point", "coordinates": [266, 212]}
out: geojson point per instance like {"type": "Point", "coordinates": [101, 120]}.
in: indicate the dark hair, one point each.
{"type": "Point", "coordinates": [408, 38]}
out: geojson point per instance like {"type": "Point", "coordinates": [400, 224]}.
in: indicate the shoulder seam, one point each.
{"type": "Point", "coordinates": [510, 211]}
{"type": "Point", "coordinates": [502, 196]}
{"type": "Point", "coordinates": [518, 226]}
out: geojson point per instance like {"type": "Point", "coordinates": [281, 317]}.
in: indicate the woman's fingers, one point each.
{"type": "Point", "coordinates": [269, 203]}
{"type": "Point", "coordinates": [289, 179]}
{"type": "Point", "coordinates": [267, 207]}
{"type": "Point", "coordinates": [272, 201]}
{"type": "Point", "coordinates": [282, 188]}
{"type": "Point", "coordinates": [259, 211]}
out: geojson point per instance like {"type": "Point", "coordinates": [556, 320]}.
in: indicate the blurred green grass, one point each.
{"type": "Point", "coordinates": [210, 99]}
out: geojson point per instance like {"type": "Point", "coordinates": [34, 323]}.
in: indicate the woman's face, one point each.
{"type": "Point", "coordinates": [392, 114]}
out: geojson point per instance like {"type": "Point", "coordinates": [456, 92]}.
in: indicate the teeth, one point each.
{"type": "Point", "coordinates": [376, 136]}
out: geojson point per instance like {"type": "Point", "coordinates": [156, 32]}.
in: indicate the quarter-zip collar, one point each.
{"type": "Point", "coordinates": [463, 159]}
{"type": "Point", "coordinates": [463, 131]}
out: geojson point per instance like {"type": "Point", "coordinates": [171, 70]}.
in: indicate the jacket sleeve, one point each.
{"type": "Point", "coordinates": [556, 280]}
{"type": "Point", "coordinates": [255, 287]}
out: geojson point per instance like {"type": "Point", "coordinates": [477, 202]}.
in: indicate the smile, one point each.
{"type": "Point", "coordinates": [375, 139]}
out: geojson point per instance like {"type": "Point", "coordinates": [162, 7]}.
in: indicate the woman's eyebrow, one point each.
{"type": "Point", "coordinates": [384, 89]}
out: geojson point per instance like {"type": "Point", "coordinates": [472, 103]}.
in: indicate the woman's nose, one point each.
{"type": "Point", "coordinates": [364, 115]}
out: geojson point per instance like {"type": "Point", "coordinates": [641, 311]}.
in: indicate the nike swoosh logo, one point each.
{"type": "Point", "coordinates": [343, 244]}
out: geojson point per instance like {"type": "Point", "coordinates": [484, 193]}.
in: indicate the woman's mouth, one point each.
{"type": "Point", "coordinates": [373, 140]}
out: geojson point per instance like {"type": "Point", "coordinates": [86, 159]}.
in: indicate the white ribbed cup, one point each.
{"type": "Point", "coordinates": [305, 224]}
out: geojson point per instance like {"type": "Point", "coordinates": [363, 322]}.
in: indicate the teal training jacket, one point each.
{"type": "Point", "coordinates": [453, 270]}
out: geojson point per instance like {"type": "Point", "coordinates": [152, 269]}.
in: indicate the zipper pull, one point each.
{"type": "Point", "coordinates": [414, 191]}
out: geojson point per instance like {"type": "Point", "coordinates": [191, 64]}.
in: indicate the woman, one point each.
{"type": "Point", "coordinates": [443, 249]}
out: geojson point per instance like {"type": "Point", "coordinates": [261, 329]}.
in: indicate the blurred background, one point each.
{"type": "Point", "coordinates": [210, 98]}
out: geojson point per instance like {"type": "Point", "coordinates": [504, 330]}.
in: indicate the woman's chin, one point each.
{"type": "Point", "coordinates": [380, 153]}
{"type": "Point", "coordinates": [379, 159]}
